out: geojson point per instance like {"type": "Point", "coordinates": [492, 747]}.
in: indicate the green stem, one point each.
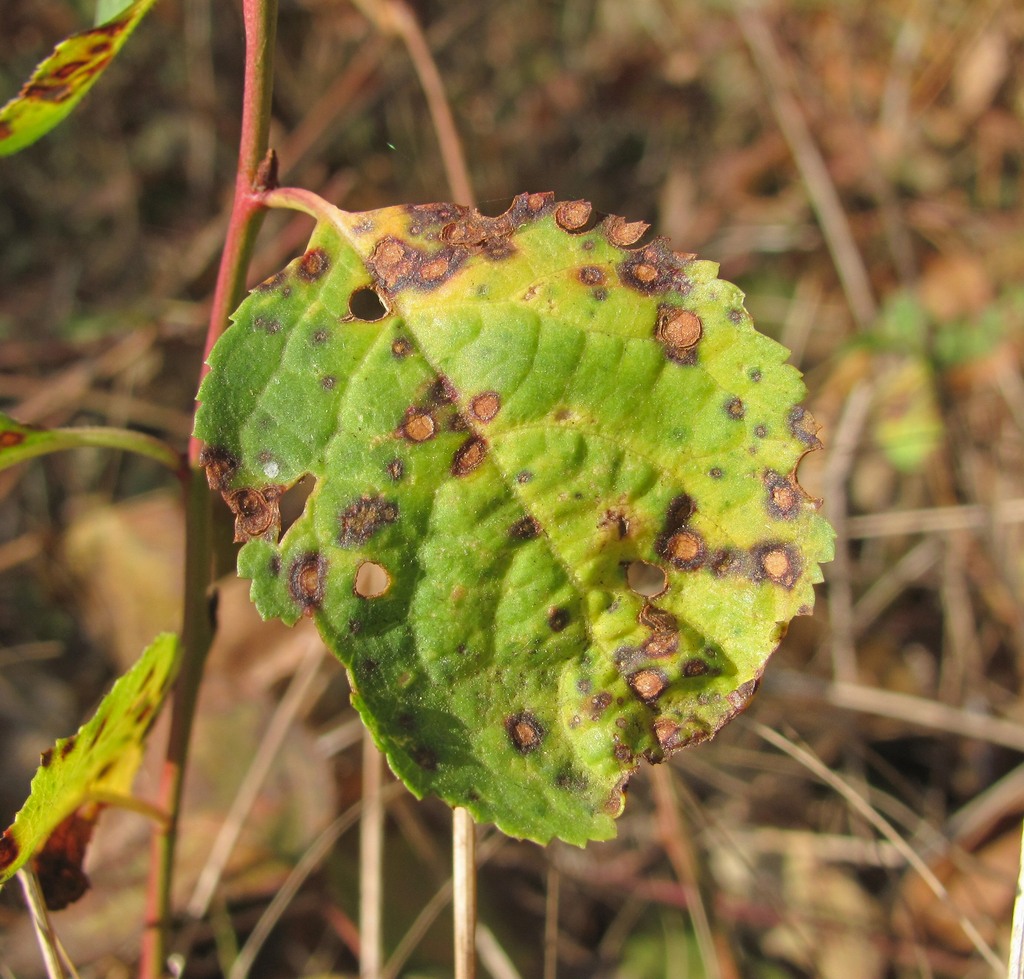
{"type": "Point", "coordinates": [197, 632]}
{"type": "Point", "coordinates": [197, 635]}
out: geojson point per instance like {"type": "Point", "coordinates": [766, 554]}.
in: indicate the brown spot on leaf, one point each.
{"type": "Point", "coordinates": [362, 519]}
{"type": "Point", "coordinates": [269, 285]}
{"type": "Point", "coordinates": [660, 645]}
{"type": "Point", "coordinates": [392, 262]}
{"type": "Point", "coordinates": [622, 753]}
{"type": "Point", "coordinates": [524, 476]}
{"type": "Point", "coordinates": [306, 579]}
{"type": "Point", "coordinates": [58, 865]}
{"type": "Point", "coordinates": [591, 275]}
{"type": "Point", "coordinates": [679, 511]}
{"type": "Point", "coordinates": [668, 733]}
{"type": "Point", "coordinates": [684, 550]}
{"type": "Point", "coordinates": [783, 496]}
{"type": "Point", "coordinates": [804, 427]}
{"type": "Point", "coordinates": [372, 580]}
{"type": "Point", "coordinates": [68, 69]}
{"type": "Point", "coordinates": [9, 850]}
{"type": "Point", "coordinates": [648, 684]}
{"type": "Point", "coordinates": [395, 469]}
{"type": "Point", "coordinates": [485, 406]}
{"type": "Point", "coordinates": [646, 271]}
{"type": "Point", "coordinates": [220, 465]}
{"type": "Point", "coordinates": [313, 265]}
{"type": "Point", "coordinates": [328, 381]}
{"type": "Point", "coordinates": [48, 91]}
{"type": "Point", "coordinates": [598, 704]}
{"type": "Point", "coordinates": [46, 758]}
{"type": "Point", "coordinates": [617, 522]}
{"type": "Point", "coordinates": [425, 757]}
{"type": "Point", "coordinates": [68, 745]}
{"type": "Point", "coordinates": [777, 562]}
{"type": "Point", "coordinates": [694, 668]}
{"type": "Point", "coordinates": [469, 456]}
{"type": "Point", "coordinates": [621, 232]}
{"type": "Point", "coordinates": [10, 439]}
{"type": "Point", "coordinates": [658, 619]}
{"type": "Point", "coordinates": [401, 348]}
{"type": "Point", "coordinates": [257, 512]}
{"type": "Point", "coordinates": [739, 699]}
{"type": "Point", "coordinates": [442, 392]}
{"type": "Point", "coordinates": [418, 426]}
{"type": "Point", "coordinates": [524, 529]}
{"type": "Point", "coordinates": [572, 215]}
{"type": "Point", "coordinates": [524, 731]}
{"type": "Point", "coordinates": [436, 269]}
{"type": "Point", "coordinates": [728, 561]}
{"type": "Point", "coordinates": [735, 409]}
{"type": "Point", "coordinates": [678, 331]}
{"type": "Point", "coordinates": [558, 618]}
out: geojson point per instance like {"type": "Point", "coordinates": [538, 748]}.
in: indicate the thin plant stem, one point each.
{"type": "Point", "coordinates": [676, 841]}
{"type": "Point", "coordinates": [197, 634]}
{"type": "Point", "coordinates": [408, 29]}
{"type": "Point", "coordinates": [464, 892]}
{"type": "Point", "coordinates": [251, 176]}
{"type": "Point", "coordinates": [371, 862]}
{"type": "Point", "coordinates": [41, 924]}
{"type": "Point", "coordinates": [260, 18]}
{"type": "Point", "coordinates": [1015, 966]}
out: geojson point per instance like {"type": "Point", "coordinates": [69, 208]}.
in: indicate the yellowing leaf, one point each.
{"type": "Point", "coordinates": [96, 763]}
{"type": "Point", "coordinates": [556, 528]}
{"type": "Point", "coordinates": [60, 82]}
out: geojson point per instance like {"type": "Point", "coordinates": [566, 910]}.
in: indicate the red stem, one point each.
{"type": "Point", "coordinates": [250, 183]}
{"type": "Point", "coordinates": [252, 176]}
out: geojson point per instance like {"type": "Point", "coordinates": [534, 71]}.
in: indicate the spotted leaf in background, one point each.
{"type": "Point", "coordinates": [60, 82]}
{"type": "Point", "coordinates": [554, 525]}
{"type": "Point", "coordinates": [80, 774]}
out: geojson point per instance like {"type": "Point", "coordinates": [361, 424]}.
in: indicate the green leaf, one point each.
{"type": "Point", "coordinates": [18, 442]}
{"type": "Point", "coordinates": [908, 422]}
{"type": "Point", "coordinates": [89, 768]}
{"type": "Point", "coordinates": [60, 82]}
{"type": "Point", "coordinates": [555, 527]}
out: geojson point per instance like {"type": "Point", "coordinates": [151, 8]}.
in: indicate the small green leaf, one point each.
{"type": "Point", "coordinates": [94, 765]}
{"type": "Point", "coordinates": [60, 82]}
{"type": "Point", "coordinates": [908, 423]}
{"type": "Point", "coordinates": [556, 527]}
{"type": "Point", "coordinates": [19, 443]}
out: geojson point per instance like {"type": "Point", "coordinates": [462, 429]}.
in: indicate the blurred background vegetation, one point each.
{"type": "Point", "coordinates": [858, 169]}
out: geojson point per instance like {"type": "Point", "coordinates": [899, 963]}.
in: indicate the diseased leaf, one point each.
{"type": "Point", "coordinates": [555, 527]}
{"type": "Point", "coordinates": [60, 82]}
{"type": "Point", "coordinates": [80, 772]}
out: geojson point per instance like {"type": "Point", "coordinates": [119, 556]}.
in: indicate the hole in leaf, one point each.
{"type": "Point", "coordinates": [646, 579]}
{"type": "Point", "coordinates": [366, 304]}
{"type": "Point", "coordinates": [495, 207]}
{"type": "Point", "coordinates": [372, 580]}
